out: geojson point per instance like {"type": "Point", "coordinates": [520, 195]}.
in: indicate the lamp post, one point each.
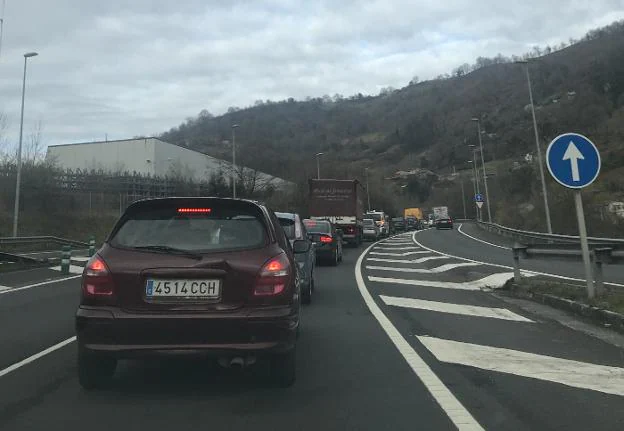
{"type": "Point", "coordinates": [537, 144]}
{"type": "Point", "coordinates": [487, 194]}
{"type": "Point", "coordinates": [318, 165]}
{"type": "Point", "coordinates": [19, 149]}
{"type": "Point", "coordinates": [234, 127]}
{"type": "Point", "coordinates": [367, 190]}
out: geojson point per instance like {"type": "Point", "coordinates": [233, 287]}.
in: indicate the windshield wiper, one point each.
{"type": "Point", "coordinates": [168, 249]}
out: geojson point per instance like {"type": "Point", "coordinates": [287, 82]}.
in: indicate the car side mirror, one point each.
{"type": "Point", "coordinates": [301, 246]}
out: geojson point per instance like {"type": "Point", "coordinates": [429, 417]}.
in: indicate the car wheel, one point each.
{"type": "Point", "coordinates": [312, 282]}
{"type": "Point", "coordinates": [340, 257]}
{"type": "Point", "coordinates": [283, 369]}
{"type": "Point", "coordinates": [334, 258]}
{"type": "Point", "coordinates": [93, 370]}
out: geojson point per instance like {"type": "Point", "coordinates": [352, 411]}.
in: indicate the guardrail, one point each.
{"type": "Point", "coordinates": [26, 240]}
{"type": "Point", "coordinates": [526, 236]}
{"type": "Point", "coordinates": [600, 255]}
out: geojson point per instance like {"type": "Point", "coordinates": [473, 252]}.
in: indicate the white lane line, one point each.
{"type": "Point", "coordinates": [73, 269]}
{"type": "Point", "coordinates": [436, 270]}
{"type": "Point", "coordinates": [407, 253]}
{"type": "Point", "coordinates": [43, 283]}
{"type": "Point", "coordinates": [421, 260]}
{"type": "Point", "coordinates": [36, 356]}
{"type": "Point", "coordinates": [459, 229]}
{"type": "Point", "coordinates": [525, 272]}
{"type": "Point", "coordinates": [456, 412]}
{"type": "Point", "coordinates": [412, 247]}
{"type": "Point", "coordinates": [493, 281]}
{"type": "Point", "coordinates": [601, 378]}
{"type": "Point", "coordinates": [445, 307]}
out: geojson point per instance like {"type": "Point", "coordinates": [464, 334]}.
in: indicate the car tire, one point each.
{"type": "Point", "coordinates": [94, 370]}
{"type": "Point", "coordinates": [334, 258]}
{"type": "Point", "coordinates": [283, 369]}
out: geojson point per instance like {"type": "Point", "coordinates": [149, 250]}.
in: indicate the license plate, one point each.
{"type": "Point", "coordinates": [183, 289]}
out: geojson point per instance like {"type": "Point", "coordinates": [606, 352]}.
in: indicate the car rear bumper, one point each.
{"type": "Point", "coordinates": [326, 252]}
{"type": "Point", "coordinates": [114, 332]}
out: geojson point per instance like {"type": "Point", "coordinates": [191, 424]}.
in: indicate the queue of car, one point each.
{"type": "Point", "coordinates": [222, 278]}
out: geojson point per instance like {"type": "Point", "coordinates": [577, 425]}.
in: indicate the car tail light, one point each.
{"type": "Point", "coordinates": [273, 276]}
{"type": "Point", "coordinates": [96, 279]}
{"type": "Point", "coordinates": [326, 239]}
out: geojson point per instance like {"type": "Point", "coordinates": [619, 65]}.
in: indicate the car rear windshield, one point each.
{"type": "Point", "coordinates": [376, 217]}
{"type": "Point", "coordinates": [369, 222]}
{"type": "Point", "coordinates": [289, 227]}
{"type": "Point", "coordinates": [314, 226]}
{"type": "Point", "coordinates": [220, 227]}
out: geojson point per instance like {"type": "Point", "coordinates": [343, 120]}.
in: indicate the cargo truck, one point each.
{"type": "Point", "coordinates": [413, 212]}
{"type": "Point", "coordinates": [341, 203]}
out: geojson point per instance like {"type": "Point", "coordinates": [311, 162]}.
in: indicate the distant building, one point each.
{"type": "Point", "coordinates": [148, 156]}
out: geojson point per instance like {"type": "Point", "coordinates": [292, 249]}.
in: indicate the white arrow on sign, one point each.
{"type": "Point", "coordinates": [479, 204]}
{"type": "Point", "coordinates": [573, 155]}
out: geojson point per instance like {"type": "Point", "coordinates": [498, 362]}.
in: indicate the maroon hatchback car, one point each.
{"type": "Point", "coordinates": [191, 275]}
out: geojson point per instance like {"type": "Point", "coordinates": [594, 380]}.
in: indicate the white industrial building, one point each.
{"type": "Point", "coordinates": [147, 156]}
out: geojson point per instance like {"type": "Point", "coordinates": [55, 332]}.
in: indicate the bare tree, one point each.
{"type": "Point", "coordinates": [4, 125]}
{"type": "Point", "coordinates": [34, 151]}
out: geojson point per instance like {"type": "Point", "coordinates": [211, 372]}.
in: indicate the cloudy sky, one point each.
{"type": "Point", "coordinates": [133, 67]}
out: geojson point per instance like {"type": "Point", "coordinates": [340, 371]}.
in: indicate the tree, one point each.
{"type": "Point", "coordinates": [415, 80]}
{"type": "Point", "coordinates": [34, 149]}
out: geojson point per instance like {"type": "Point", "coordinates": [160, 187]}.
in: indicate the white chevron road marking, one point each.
{"type": "Point", "coordinates": [493, 281]}
{"type": "Point", "coordinates": [461, 309]}
{"type": "Point", "coordinates": [407, 253]}
{"type": "Point", "coordinates": [420, 260]}
{"type": "Point", "coordinates": [436, 270]}
{"type": "Point", "coordinates": [601, 378]}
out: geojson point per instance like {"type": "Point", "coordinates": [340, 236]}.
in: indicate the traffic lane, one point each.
{"type": "Point", "coordinates": [499, 400]}
{"type": "Point", "coordinates": [29, 276]}
{"type": "Point", "coordinates": [349, 377]}
{"type": "Point", "coordinates": [454, 243]}
{"type": "Point", "coordinates": [32, 320]}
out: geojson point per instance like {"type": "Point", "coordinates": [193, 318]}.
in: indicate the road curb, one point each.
{"type": "Point", "coordinates": [596, 315]}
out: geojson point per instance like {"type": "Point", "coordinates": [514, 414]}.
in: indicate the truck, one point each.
{"type": "Point", "coordinates": [341, 203]}
{"type": "Point", "coordinates": [413, 212]}
{"type": "Point", "coordinates": [440, 212]}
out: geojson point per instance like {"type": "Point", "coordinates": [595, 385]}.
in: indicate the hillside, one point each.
{"type": "Point", "coordinates": [578, 88]}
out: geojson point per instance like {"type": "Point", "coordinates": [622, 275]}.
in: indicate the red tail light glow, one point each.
{"type": "Point", "coordinates": [194, 210]}
{"type": "Point", "coordinates": [96, 279]}
{"type": "Point", "coordinates": [326, 239]}
{"type": "Point", "coordinates": [273, 277]}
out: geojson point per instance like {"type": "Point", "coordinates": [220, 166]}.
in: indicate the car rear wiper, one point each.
{"type": "Point", "coordinates": [168, 249]}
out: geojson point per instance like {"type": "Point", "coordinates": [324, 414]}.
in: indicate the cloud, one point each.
{"type": "Point", "coordinates": [126, 68]}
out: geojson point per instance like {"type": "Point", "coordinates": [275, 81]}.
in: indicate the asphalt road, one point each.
{"type": "Point", "coordinates": [404, 342]}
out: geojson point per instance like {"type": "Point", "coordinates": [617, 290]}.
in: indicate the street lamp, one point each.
{"type": "Point", "coordinates": [367, 191]}
{"type": "Point", "coordinates": [318, 165]}
{"type": "Point", "coordinates": [19, 149]}
{"type": "Point", "coordinates": [234, 127]}
{"type": "Point", "coordinates": [487, 194]}
{"type": "Point", "coordinates": [537, 144]}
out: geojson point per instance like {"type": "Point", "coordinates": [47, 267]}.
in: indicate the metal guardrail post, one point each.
{"type": "Point", "coordinates": [518, 250]}
{"type": "Point", "coordinates": [65, 259]}
{"type": "Point", "coordinates": [601, 256]}
{"type": "Point", "coordinates": [91, 246]}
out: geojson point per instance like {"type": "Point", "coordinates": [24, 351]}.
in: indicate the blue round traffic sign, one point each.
{"type": "Point", "coordinates": [573, 160]}
{"type": "Point", "coordinates": [478, 197]}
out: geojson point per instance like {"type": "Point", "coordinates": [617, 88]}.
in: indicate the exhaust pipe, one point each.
{"type": "Point", "coordinates": [237, 362]}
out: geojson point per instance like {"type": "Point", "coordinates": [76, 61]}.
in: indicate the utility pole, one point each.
{"type": "Point", "coordinates": [487, 194]}
{"type": "Point", "coordinates": [234, 126]}
{"type": "Point", "coordinates": [318, 165]}
{"type": "Point", "coordinates": [537, 144]}
{"type": "Point", "coordinates": [367, 190]}
{"type": "Point", "coordinates": [463, 196]}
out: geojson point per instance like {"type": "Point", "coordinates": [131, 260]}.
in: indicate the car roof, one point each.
{"type": "Point", "coordinates": [291, 216]}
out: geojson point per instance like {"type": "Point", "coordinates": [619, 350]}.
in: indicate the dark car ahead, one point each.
{"type": "Point", "coordinates": [444, 223]}
{"type": "Point", "coordinates": [327, 240]}
{"type": "Point", "coordinates": [306, 262]}
{"type": "Point", "coordinates": [398, 224]}
{"type": "Point", "coordinates": [191, 275]}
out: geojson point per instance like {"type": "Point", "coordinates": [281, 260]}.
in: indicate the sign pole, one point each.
{"type": "Point", "coordinates": [580, 215]}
